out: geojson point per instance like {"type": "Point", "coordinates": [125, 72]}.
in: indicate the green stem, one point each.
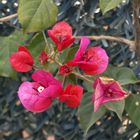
{"type": "Point", "coordinates": [46, 41]}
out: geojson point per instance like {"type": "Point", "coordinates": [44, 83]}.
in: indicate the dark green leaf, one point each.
{"type": "Point", "coordinates": [37, 15]}
{"type": "Point", "coordinates": [71, 53]}
{"type": "Point", "coordinates": [117, 107]}
{"type": "Point", "coordinates": [36, 46]}
{"type": "Point", "coordinates": [86, 114]}
{"type": "Point", "coordinates": [123, 75]}
{"type": "Point", "coordinates": [107, 5]}
{"type": "Point", "coordinates": [133, 108]}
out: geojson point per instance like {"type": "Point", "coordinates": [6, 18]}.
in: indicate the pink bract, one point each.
{"type": "Point", "coordinates": [37, 96]}
{"type": "Point", "coordinates": [92, 61]}
{"type": "Point", "coordinates": [107, 90]}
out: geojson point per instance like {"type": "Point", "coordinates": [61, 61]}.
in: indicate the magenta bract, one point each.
{"type": "Point", "coordinates": [106, 90]}
{"type": "Point", "coordinates": [92, 61]}
{"type": "Point", "coordinates": [37, 96]}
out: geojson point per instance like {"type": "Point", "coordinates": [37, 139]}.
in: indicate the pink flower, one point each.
{"type": "Point", "coordinates": [61, 34]}
{"type": "Point", "coordinates": [106, 90]}
{"type": "Point", "coordinates": [37, 96]}
{"type": "Point", "coordinates": [92, 61]}
{"type": "Point", "coordinates": [72, 95]}
{"type": "Point", "coordinates": [43, 57]}
{"type": "Point", "coordinates": [65, 70]}
{"type": "Point", "coordinates": [22, 60]}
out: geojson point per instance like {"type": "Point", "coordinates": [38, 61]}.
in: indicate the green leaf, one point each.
{"type": "Point", "coordinates": [107, 5]}
{"type": "Point", "coordinates": [88, 86]}
{"type": "Point", "coordinates": [36, 46]}
{"type": "Point", "coordinates": [70, 54]}
{"type": "Point", "coordinates": [8, 45]}
{"type": "Point", "coordinates": [123, 75]}
{"type": "Point", "coordinates": [86, 114]}
{"type": "Point", "coordinates": [71, 79]}
{"type": "Point", "coordinates": [37, 15]}
{"type": "Point", "coordinates": [133, 108]}
{"type": "Point", "coordinates": [117, 107]}
{"type": "Point", "coordinates": [52, 68]}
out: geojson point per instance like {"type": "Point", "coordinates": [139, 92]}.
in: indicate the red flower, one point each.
{"type": "Point", "coordinates": [107, 90]}
{"type": "Point", "coordinates": [37, 96]}
{"type": "Point", "coordinates": [92, 61]}
{"type": "Point", "coordinates": [43, 57]}
{"type": "Point", "coordinates": [72, 96]}
{"type": "Point", "coordinates": [22, 60]}
{"type": "Point", "coordinates": [65, 70]}
{"type": "Point", "coordinates": [61, 34]}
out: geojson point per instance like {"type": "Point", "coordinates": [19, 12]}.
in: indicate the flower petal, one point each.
{"type": "Point", "coordinates": [31, 99]}
{"type": "Point", "coordinates": [45, 78]}
{"type": "Point", "coordinates": [21, 61]}
{"type": "Point", "coordinates": [83, 45]}
{"type": "Point", "coordinates": [72, 95]}
{"type": "Point", "coordinates": [97, 96]}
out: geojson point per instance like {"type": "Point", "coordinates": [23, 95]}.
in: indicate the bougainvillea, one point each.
{"type": "Point", "coordinates": [43, 57]}
{"type": "Point", "coordinates": [107, 90]}
{"type": "Point", "coordinates": [65, 70]}
{"type": "Point", "coordinates": [72, 95]}
{"type": "Point", "coordinates": [93, 60]}
{"type": "Point", "coordinates": [37, 96]}
{"type": "Point", "coordinates": [22, 60]}
{"type": "Point", "coordinates": [61, 34]}
{"type": "Point", "coordinates": [75, 68]}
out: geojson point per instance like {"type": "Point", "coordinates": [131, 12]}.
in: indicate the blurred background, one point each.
{"type": "Point", "coordinates": [60, 122]}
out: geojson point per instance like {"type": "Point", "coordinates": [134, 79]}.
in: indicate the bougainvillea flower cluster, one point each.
{"type": "Point", "coordinates": [37, 96]}
{"type": "Point", "coordinates": [106, 90]}
{"type": "Point", "coordinates": [22, 61]}
{"type": "Point", "coordinates": [92, 61]}
{"type": "Point", "coordinates": [61, 34]}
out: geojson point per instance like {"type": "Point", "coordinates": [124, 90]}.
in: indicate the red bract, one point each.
{"type": "Point", "coordinates": [72, 95]}
{"type": "Point", "coordinates": [37, 96]}
{"type": "Point", "coordinates": [65, 70]}
{"type": "Point", "coordinates": [107, 90]}
{"type": "Point", "coordinates": [43, 57]}
{"type": "Point", "coordinates": [61, 34]}
{"type": "Point", "coordinates": [92, 61]}
{"type": "Point", "coordinates": [22, 60]}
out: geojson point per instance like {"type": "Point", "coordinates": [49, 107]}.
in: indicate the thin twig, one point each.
{"type": "Point", "coordinates": [130, 43]}
{"type": "Point", "coordinates": [7, 18]}
{"type": "Point", "coordinates": [82, 77]}
{"type": "Point", "coordinates": [75, 73]}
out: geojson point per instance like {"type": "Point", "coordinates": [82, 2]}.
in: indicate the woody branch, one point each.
{"type": "Point", "coordinates": [131, 43]}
